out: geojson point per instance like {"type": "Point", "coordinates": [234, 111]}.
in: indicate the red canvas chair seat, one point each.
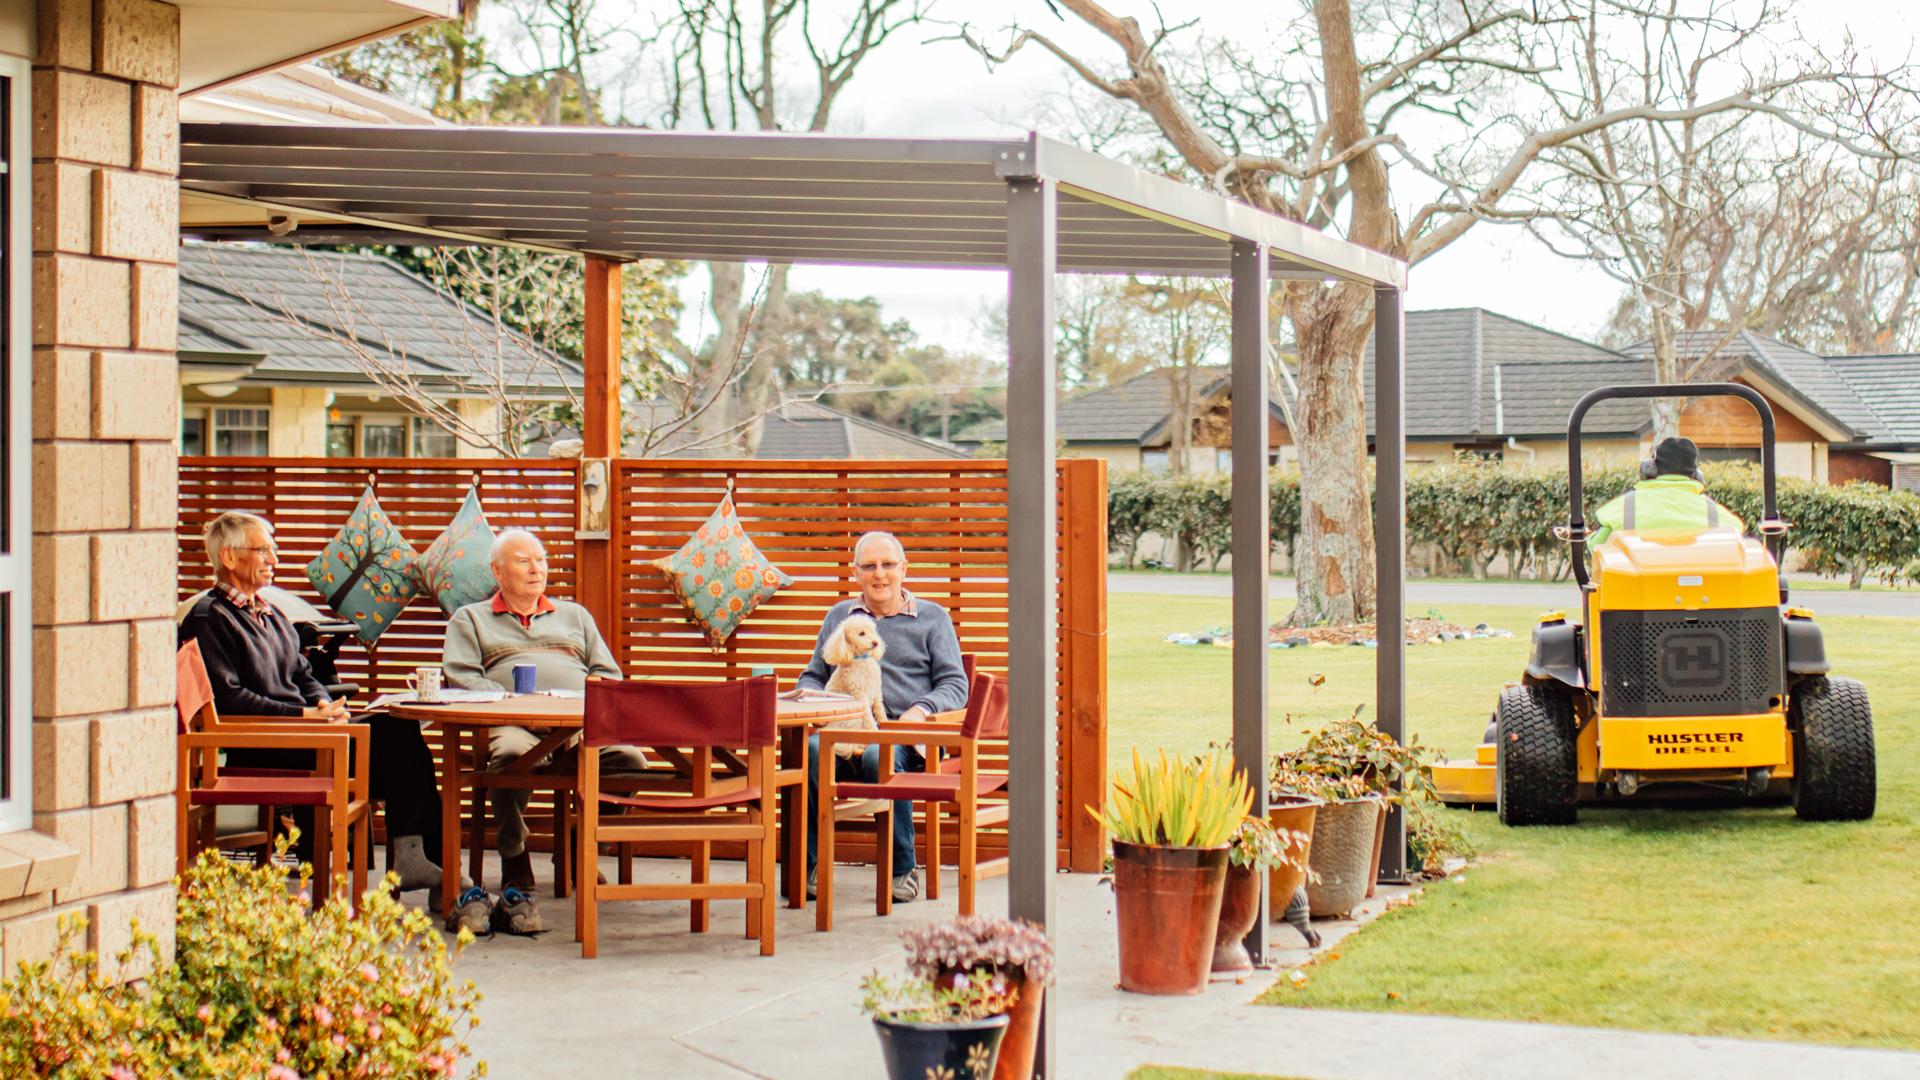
{"type": "Point", "coordinates": [715, 721]}
{"type": "Point", "coordinates": [920, 787]}
{"type": "Point", "coordinates": [270, 790]}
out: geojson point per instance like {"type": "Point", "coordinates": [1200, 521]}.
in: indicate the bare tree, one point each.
{"type": "Point", "coordinates": [1303, 127]}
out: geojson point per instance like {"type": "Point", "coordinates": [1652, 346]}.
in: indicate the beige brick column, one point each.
{"type": "Point", "coordinates": [105, 311]}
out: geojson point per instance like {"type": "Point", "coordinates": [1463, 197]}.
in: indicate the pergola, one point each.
{"type": "Point", "coordinates": [1033, 207]}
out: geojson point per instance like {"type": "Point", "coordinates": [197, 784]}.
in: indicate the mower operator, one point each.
{"type": "Point", "coordinates": [1670, 497]}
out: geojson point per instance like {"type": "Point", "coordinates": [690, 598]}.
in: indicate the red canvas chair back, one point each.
{"type": "Point", "coordinates": [654, 712]}
{"type": "Point", "coordinates": [194, 692]}
{"type": "Point", "coordinates": [969, 665]}
{"type": "Point", "coordinates": [986, 708]}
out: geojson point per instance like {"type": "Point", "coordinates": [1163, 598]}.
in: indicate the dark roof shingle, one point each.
{"type": "Point", "coordinates": [1890, 387]}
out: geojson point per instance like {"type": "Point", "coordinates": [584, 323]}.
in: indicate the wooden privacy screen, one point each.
{"type": "Point", "coordinates": [951, 517]}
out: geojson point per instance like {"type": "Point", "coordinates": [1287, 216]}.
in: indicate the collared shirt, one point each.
{"type": "Point", "coordinates": [544, 606]}
{"type": "Point", "coordinates": [908, 607]}
{"type": "Point", "coordinates": [252, 605]}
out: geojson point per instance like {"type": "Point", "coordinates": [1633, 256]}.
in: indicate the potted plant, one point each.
{"type": "Point", "coordinates": [1170, 822]}
{"type": "Point", "coordinates": [1256, 848]}
{"type": "Point", "coordinates": [1016, 952]}
{"type": "Point", "coordinates": [929, 1029]}
{"type": "Point", "coordinates": [1292, 812]}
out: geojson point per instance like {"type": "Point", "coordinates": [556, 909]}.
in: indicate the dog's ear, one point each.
{"type": "Point", "coordinates": [835, 652]}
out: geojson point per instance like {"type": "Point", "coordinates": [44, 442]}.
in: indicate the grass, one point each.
{"type": "Point", "coordinates": [1710, 921]}
{"type": "Point", "coordinates": [1163, 1072]}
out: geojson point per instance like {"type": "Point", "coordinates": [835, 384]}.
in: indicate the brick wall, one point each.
{"type": "Point", "coordinates": [1845, 465]}
{"type": "Point", "coordinates": [105, 309]}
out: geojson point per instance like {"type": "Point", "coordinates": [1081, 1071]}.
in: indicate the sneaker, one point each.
{"type": "Point", "coordinates": [813, 884]}
{"type": "Point", "coordinates": [472, 912]}
{"type": "Point", "coordinates": [516, 913]}
{"type": "Point", "coordinates": [906, 888]}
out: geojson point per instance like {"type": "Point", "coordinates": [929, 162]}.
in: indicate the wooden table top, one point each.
{"type": "Point", "coordinates": [543, 711]}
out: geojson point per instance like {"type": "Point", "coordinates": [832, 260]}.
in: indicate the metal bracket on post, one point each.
{"type": "Point", "coordinates": [594, 518]}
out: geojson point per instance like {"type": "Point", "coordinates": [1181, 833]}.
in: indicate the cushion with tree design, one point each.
{"type": "Point", "coordinates": [720, 575]}
{"type": "Point", "coordinates": [454, 569]}
{"type": "Point", "coordinates": [365, 573]}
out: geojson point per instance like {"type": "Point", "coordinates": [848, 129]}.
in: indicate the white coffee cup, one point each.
{"type": "Point", "coordinates": [425, 684]}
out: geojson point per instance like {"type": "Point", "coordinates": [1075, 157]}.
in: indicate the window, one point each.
{"type": "Point", "coordinates": [16, 452]}
{"type": "Point", "coordinates": [193, 432]}
{"type": "Point", "coordinates": [383, 438]}
{"type": "Point", "coordinates": [1906, 477]}
{"type": "Point", "coordinates": [1154, 460]}
{"type": "Point", "coordinates": [432, 440]}
{"type": "Point", "coordinates": [241, 432]}
{"type": "Point", "coordinates": [340, 440]}
{"type": "Point", "coordinates": [1730, 453]}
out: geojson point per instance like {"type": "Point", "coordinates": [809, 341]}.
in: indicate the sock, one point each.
{"type": "Point", "coordinates": [517, 870]}
{"type": "Point", "coordinates": [411, 863]}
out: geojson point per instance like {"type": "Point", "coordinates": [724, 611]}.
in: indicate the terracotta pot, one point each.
{"type": "Point", "coordinates": [915, 1051]}
{"type": "Point", "coordinates": [1295, 812]}
{"type": "Point", "coordinates": [1023, 1028]}
{"type": "Point", "coordinates": [1239, 907]}
{"type": "Point", "coordinates": [1379, 840]}
{"type": "Point", "coordinates": [1167, 902]}
{"type": "Point", "coordinates": [1342, 855]}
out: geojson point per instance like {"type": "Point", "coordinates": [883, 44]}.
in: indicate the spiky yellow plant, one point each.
{"type": "Point", "coordinates": [1177, 803]}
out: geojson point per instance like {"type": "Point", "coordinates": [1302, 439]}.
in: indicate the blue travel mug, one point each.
{"type": "Point", "coordinates": [523, 680]}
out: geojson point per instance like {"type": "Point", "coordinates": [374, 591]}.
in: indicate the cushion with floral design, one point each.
{"type": "Point", "coordinates": [365, 573]}
{"type": "Point", "coordinates": [454, 569]}
{"type": "Point", "coordinates": [720, 575]}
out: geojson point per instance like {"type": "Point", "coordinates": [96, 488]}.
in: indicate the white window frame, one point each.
{"type": "Point", "coordinates": [414, 427]}
{"type": "Point", "coordinates": [214, 427]}
{"type": "Point", "coordinates": [16, 533]}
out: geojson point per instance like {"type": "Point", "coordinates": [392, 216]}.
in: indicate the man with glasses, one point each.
{"type": "Point", "coordinates": [920, 675]}
{"type": "Point", "coordinates": [253, 661]}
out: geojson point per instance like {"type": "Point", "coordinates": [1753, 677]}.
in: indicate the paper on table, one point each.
{"type": "Point", "coordinates": [449, 695]}
{"type": "Point", "coordinates": [799, 693]}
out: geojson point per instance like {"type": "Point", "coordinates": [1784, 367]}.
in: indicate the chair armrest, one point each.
{"type": "Point", "coordinates": [951, 716]}
{"type": "Point", "coordinates": [914, 735]}
{"type": "Point", "coordinates": [935, 725]}
{"type": "Point", "coordinates": [229, 739]}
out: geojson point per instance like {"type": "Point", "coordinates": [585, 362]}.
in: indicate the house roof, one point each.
{"type": "Point", "coordinates": [1802, 378]}
{"type": "Point", "coordinates": [326, 317]}
{"type": "Point", "coordinates": [1890, 386]}
{"type": "Point", "coordinates": [810, 430]}
{"type": "Point", "coordinates": [1130, 413]}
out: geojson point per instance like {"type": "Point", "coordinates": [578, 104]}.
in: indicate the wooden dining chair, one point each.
{"type": "Point", "coordinates": [336, 788]}
{"type": "Point", "coordinates": [959, 786]}
{"type": "Point", "coordinates": [714, 722]}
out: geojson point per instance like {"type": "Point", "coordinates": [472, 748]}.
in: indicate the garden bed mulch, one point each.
{"type": "Point", "coordinates": [1422, 631]}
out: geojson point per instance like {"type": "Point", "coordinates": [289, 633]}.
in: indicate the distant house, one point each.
{"type": "Point", "coordinates": [277, 345]}
{"type": "Point", "coordinates": [805, 430]}
{"type": "Point", "coordinates": [1486, 383]}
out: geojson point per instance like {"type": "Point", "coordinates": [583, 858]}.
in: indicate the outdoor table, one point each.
{"type": "Point", "coordinates": [559, 719]}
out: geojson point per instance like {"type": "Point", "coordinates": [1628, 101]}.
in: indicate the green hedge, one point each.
{"type": "Point", "coordinates": [1475, 511]}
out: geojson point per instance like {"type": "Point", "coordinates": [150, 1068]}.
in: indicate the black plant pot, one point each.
{"type": "Point", "coordinates": [966, 1051]}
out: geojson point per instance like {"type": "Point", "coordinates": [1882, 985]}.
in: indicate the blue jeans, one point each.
{"type": "Point", "coordinates": [864, 769]}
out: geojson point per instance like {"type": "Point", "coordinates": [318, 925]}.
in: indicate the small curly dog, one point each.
{"type": "Point", "coordinates": [855, 650]}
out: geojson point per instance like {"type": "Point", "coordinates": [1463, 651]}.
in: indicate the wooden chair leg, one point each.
{"type": "Point", "coordinates": [932, 861]}
{"type": "Point", "coordinates": [752, 867]}
{"type": "Point", "coordinates": [769, 884]}
{"type": "Point", "coordinates": [969, 854]}
{"type": "Point", "coordinates": [477, 840]}
{"type": "Point", "coordinates": [883, 861]}
{"type": "Point", "coordinates": [322, 854]}
{"type": "Point", "coordinates": [361, 840]}
{"type": "Point", "coordinates": [587, 900]}
{"type": "Point", "coordinates": [580, 860]}
{"type": "Point", "coordinates": [563, 844]}
{"type": "Point", "coordinates": [823, 892]}
{"type": "Point", "coordinates": [182, 837]}
{"type": "Point", "coordinates": [702, 866]}
{"type": "Point", "coordinates": [626, 863]}
{"type": "Point", "coordinates": [795, 865]}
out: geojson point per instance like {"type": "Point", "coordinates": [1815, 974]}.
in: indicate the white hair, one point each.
{"type": "Point", "coordinates": [230, 530]}
{"type": "Point", "coordinates": [500, 543]}
{"type": "Point", "coordinates": [878, 534]}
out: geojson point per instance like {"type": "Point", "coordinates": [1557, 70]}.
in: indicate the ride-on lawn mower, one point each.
{"type": "Point", "coordinates": [1687, 674]}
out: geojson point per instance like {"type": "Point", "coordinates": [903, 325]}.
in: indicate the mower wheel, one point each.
{"type": "Point", "coordinates": [1536, 765]}
{"type": "Point", "coordinates": [1833, 755]}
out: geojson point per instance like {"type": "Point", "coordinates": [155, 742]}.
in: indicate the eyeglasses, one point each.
{"type": "Point", "coordinates": [869, 567]}
{"type": "Point", "coordinates": [270, 551]}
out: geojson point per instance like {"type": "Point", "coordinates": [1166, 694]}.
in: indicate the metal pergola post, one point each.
{"type": "Point", "coordinates": [1390, 546]}
{"type": "Point", "coordinates": [1032, 519]}
{"type": "Point", "coordinates": [1250, 531]}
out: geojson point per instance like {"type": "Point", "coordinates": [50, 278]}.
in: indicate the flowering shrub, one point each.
{"type": "Point", "coordinates": [260, 988]}
{"type": "Point", "coordinates": [1258, 844]}
{"type": "Point", "coordinates": [962, 1000]}
{"type": "Point", "coordinates": [980, 944]}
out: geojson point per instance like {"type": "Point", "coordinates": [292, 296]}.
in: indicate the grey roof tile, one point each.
{"type": "Point", "coordinates": [1890, 387]}
{"type": "Point", "coordinates": [1809, 377]}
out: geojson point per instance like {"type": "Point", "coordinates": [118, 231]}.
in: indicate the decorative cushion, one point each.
{"type": "Point", "coordinates": [720, 575]}
{"type": "Point", "coordinates": [454, 568]}
{"type": "Point", "coordinates": [365, 573]}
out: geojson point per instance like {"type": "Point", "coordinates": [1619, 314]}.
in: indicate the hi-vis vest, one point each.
{"type": "Point", "coordinates": [1664, 503]}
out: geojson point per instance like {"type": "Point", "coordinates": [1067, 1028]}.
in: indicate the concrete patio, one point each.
{"type": "Point", "coordinates": [661, 1002]}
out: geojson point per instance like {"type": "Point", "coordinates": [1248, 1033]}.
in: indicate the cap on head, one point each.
{"type": "Point", "coordinates": [1676, 457]}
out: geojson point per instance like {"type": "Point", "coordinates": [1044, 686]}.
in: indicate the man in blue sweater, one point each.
{"type": "Point", "coordinates": [920, 675]}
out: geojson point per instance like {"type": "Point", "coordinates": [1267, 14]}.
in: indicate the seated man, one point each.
{"type": "Point", "coordinates": [521, 624]}
{"type": "Point", "coordinates": [920, 675]}
{"type": "Point", "coordinates": [254, 664]}
{"type": "Point", "coordinates": [1671, 497]}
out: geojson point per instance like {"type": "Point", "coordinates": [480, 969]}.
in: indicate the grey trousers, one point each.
{"type": "Point", "coordinates": [506, 744]}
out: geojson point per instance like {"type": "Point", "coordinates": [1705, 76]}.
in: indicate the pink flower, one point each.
{"type": "Point", "coordinates": [204, 1013]}
{"type": "Point", "coordinates": [282, 1055]}
{"type": "Point", "coordinates": [340, 1038]}
{"type": "Point", "coordinates": [323, 1016]}
{"type": "Point", "coordinates": [281, 1072]}
{"type": "Point", "coordinates": [121, 1072]}
{"type": "Point", "coordinates": [369, 972]}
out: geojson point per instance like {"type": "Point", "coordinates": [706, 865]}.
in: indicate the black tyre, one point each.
{"type": "Point", "coordinates": [1833, 757]}
{"type": "Point", "coordinates": [1536, 762]}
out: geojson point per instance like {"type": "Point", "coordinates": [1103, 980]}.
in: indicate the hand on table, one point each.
{"type": "Point", "coordinates": [915, 715]}
{"type": "Point", "coordinates": [333, 712]}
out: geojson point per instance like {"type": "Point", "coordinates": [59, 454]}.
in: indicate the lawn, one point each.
{"type": "Point", "coordinates": [1742, 922]}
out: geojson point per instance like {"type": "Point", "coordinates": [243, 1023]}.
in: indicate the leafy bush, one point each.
{"type": "Point", "coordinates": [261, 987]}
{"type": "Point", "coordinates": [1176, 803]}
{"type": "Point", "coordinates": [1350, 757]}
{"type": "Point", "coordinates": [1013, 948]}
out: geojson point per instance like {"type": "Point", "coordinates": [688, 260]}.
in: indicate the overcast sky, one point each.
{"type": "Point", "coordinates": [916, 87]}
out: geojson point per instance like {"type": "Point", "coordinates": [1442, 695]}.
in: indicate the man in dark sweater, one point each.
{"type": "Point", "coordinates": [254, 664]}
{"type": "Point", "coordinates": [920, 675]}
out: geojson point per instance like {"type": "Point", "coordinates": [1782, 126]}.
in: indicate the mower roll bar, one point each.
{"type": "Point", "coordinates": [1770, 526]}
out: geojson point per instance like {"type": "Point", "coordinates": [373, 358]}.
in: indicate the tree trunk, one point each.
{"type": "Point", "coordinates": [757, 381]}
{"type": "Point", "coordinates": [1334, 567]}
{"type": "Point", "coordinates": [1667, 368]}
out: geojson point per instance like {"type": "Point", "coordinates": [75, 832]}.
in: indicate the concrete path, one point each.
{"type": "Point", "coordinates": [661, 1002]}
{"type": "Point", "coordinates": [1512, 593]}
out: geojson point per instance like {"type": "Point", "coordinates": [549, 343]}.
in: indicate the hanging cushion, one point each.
{"type": "Point", "coordinates": [720, 575]}
{"type": "Point", "coordinates": [365, 573]}
{"type": "Point", "coordinates": [454, 569]}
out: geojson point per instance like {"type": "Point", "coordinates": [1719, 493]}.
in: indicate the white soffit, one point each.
{"type": "Point", "coordinates": [223, 40]}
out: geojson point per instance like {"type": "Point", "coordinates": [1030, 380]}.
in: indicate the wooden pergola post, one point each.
{"type": "Point", "coordinates": [600, 431]}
